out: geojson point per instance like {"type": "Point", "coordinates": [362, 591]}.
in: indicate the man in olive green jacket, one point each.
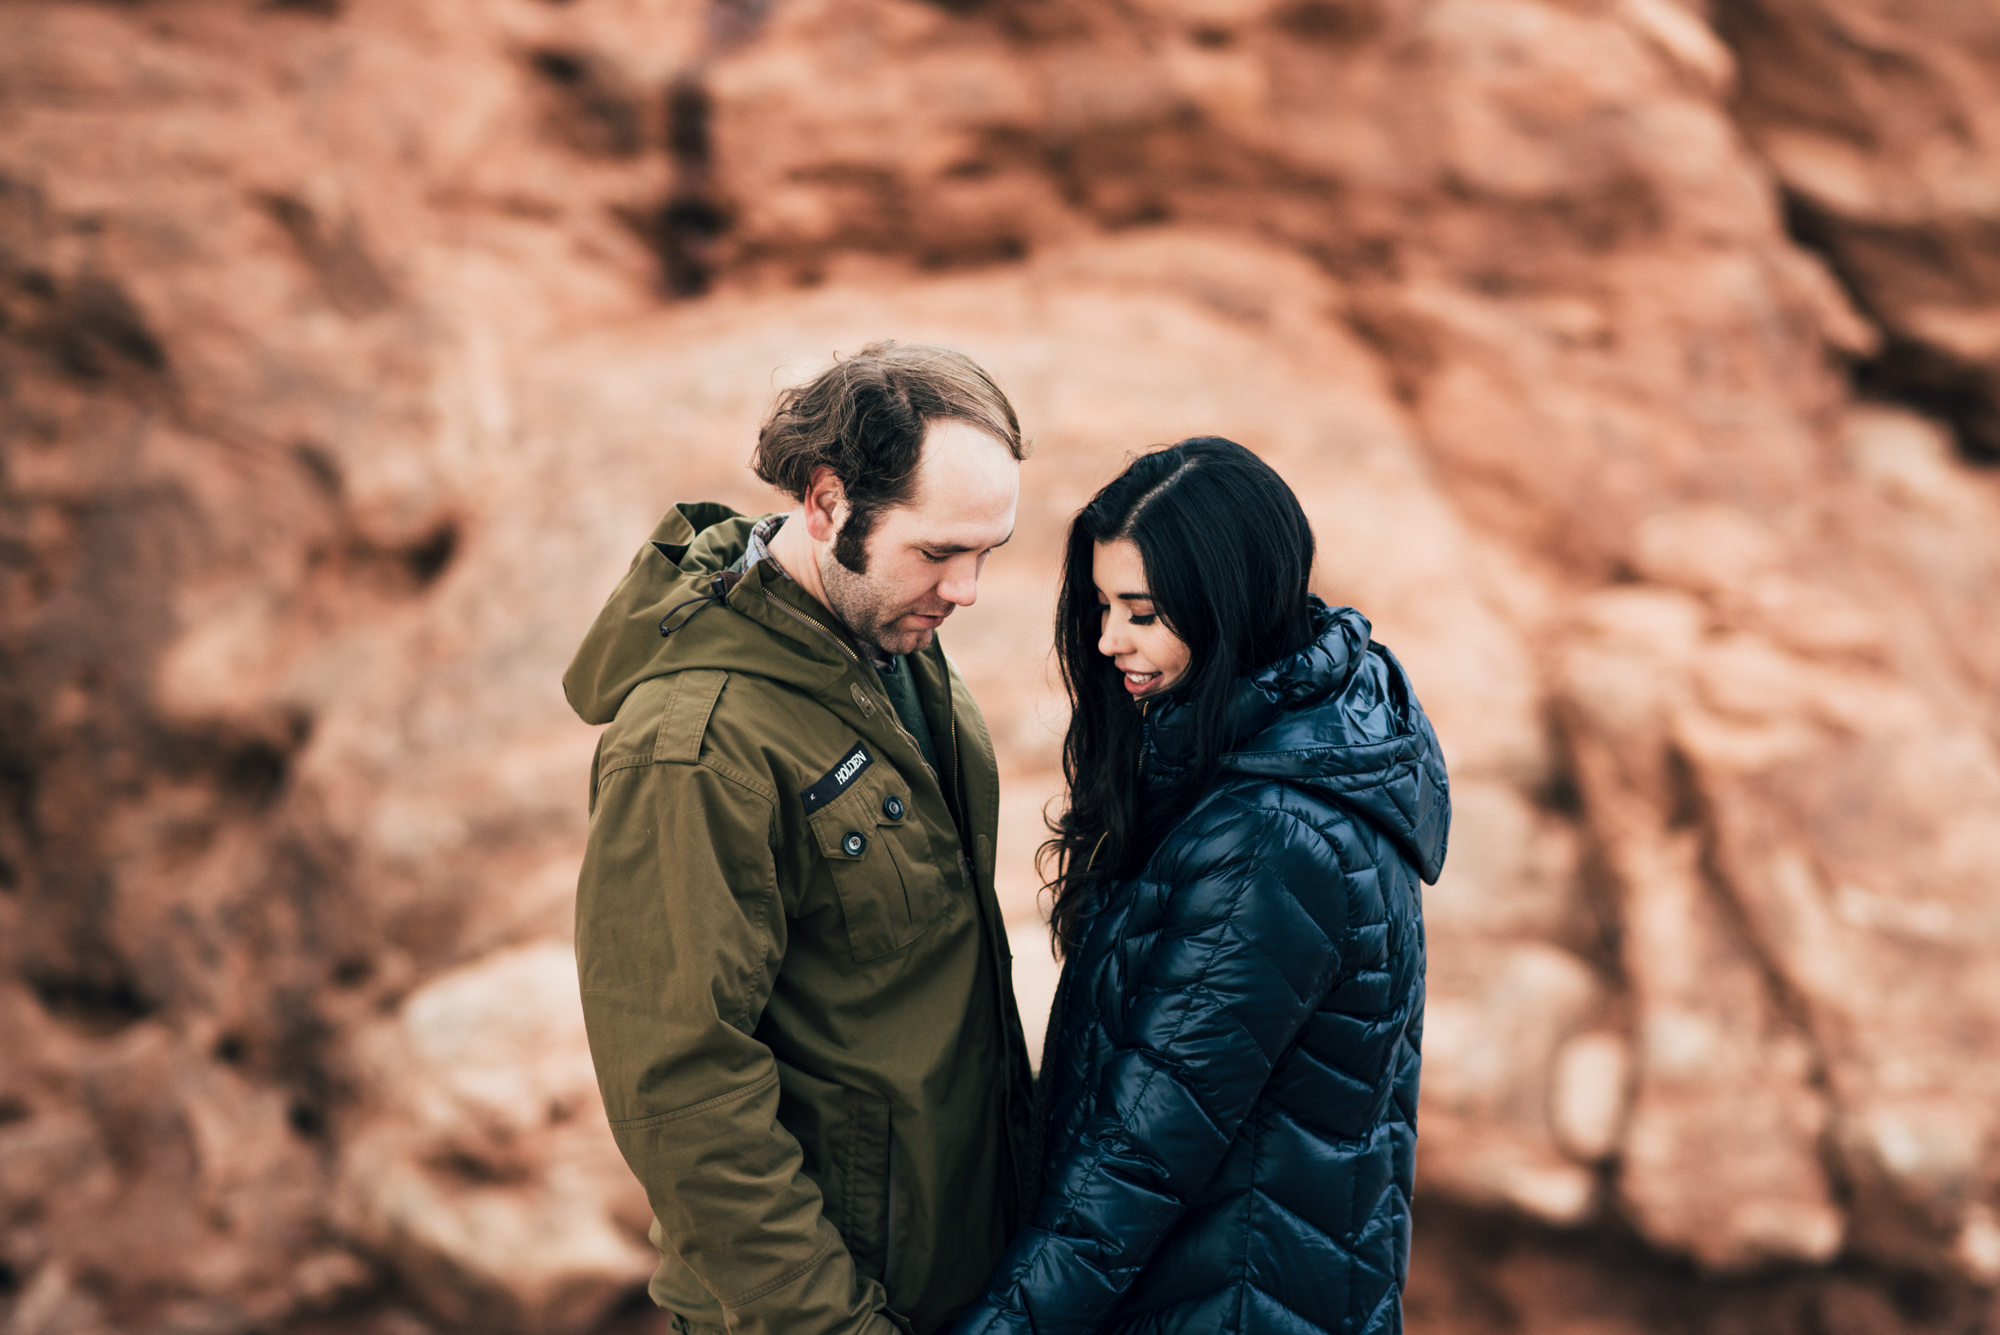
{"type": "Point", "coordinates": [794, 970]}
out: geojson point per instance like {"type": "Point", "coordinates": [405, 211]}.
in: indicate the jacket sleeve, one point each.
{"type": "Point", "coordinates": [680, 931]}
{"type": "Point", "coordinates": [1244, 955]}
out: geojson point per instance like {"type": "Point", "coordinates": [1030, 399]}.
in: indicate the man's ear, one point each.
{"type": "Point", "coordinates": [825, 505]}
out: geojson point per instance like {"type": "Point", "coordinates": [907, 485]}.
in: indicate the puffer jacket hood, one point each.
{"type": "Point", "coordinates": [1338, 717]}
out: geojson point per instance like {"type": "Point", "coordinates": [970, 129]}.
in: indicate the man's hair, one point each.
{"type": "Point", "coordinates": [865, 417]}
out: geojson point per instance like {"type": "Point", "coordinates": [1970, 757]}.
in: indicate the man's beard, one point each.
{"type": "Point", "coordinates": [867, 612]}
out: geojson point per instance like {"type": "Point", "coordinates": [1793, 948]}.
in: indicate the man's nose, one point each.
{"type": "Point", "coordinates": [960, 585]}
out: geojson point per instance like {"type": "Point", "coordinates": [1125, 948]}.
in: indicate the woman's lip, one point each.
{"type": "Point", "coordinates": [1148, 682]}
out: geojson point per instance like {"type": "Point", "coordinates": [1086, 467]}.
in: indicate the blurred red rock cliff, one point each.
{"type": "Point", "coordinates": [1638, 362]}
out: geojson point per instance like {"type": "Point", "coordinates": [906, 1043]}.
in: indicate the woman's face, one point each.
{"type": "Point", "coordinates": [1130, 632]}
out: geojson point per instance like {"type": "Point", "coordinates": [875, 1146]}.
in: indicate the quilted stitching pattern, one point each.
{"type": "Point", "coordinates": [1233, 1129]}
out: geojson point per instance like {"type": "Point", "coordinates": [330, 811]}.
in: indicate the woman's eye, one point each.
{"type": "Point", "coordinates": [1146, 620]}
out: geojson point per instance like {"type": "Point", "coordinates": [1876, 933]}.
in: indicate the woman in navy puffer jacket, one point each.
{"type": "Point", "coordinates": [1229, 1091]}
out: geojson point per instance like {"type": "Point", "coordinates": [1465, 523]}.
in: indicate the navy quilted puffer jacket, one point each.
{"type": "Point", "coordinates": [1232, 1128]}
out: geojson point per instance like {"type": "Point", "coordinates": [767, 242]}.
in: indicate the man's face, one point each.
{"type": "Point", "coordinates": [925, 555]}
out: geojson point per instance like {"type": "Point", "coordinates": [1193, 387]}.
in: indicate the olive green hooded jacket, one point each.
{"type": "Point", "coordinates": [795, 975]}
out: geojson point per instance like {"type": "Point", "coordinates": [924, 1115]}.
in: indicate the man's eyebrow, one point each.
{"type": "Point", "coordinates": [952, 550]}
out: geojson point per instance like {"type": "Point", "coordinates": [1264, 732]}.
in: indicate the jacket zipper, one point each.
{"type": "Point", "coordinates": [889, 1225]}
{"type": "Point", "coordinates": [1144, 705]}
{"type": "Point", "coordinates": [951, 741]}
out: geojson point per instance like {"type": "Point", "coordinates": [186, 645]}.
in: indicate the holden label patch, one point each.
{"type": "Point", "coordinates": [838, 779]}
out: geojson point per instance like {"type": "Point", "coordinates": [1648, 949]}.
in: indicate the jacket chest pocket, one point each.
{"type": "Point", "coordinates": [884, 867]}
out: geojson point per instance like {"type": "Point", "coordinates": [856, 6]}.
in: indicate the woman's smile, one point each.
{"type": "Point", "coordinates": [1139, 683]}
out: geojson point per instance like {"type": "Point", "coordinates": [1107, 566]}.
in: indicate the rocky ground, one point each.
{"type": "Point", "coordinates": [1638, 364]}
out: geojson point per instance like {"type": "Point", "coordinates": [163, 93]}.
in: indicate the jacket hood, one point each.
{"type": "Point", "coordinates": [681, 581]}
{"type": "Point", "coordinates": [1340, 717]}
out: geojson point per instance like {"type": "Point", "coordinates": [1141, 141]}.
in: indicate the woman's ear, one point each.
{"type": "Point", "coordinates": [825, 505]}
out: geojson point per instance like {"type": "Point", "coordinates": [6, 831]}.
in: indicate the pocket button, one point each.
{"type": "Point", "coordinates": [892, 807]}
{"type": "Point", "coordinates": [853, 843]}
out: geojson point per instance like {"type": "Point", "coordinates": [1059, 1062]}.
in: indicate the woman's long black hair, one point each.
{"type": "Point", "coordinates": [1228, 555]}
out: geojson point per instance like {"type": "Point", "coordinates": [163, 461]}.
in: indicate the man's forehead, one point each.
{"type": "Point", "coordinates": [956, 455]}
{"type": "Point", "coordinates": [951, 527]}
{"type": "Point", "coordinates": [966, 489]}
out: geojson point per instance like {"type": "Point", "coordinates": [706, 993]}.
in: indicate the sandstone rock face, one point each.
{"type": "Point", "coordinates": [1878, 122]}
{"type": "Point", "coordinates": [1632, 361]}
